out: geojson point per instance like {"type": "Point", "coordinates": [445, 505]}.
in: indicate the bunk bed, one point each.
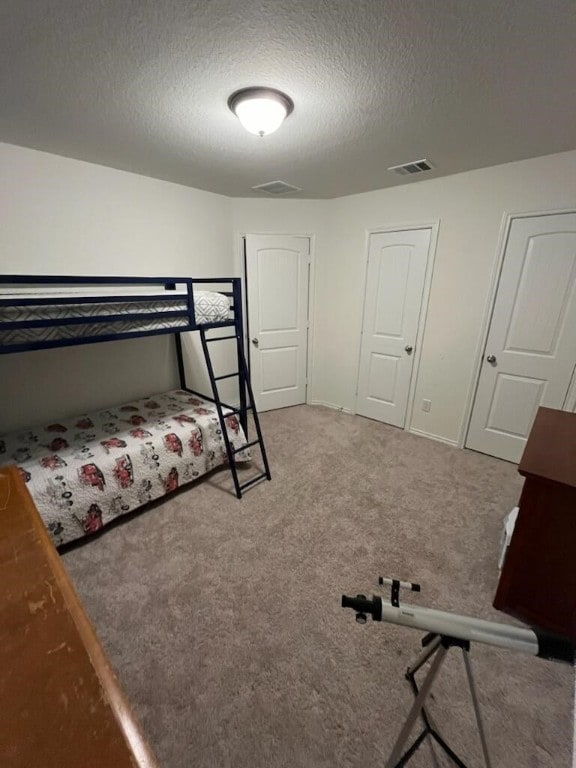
{"type": "Point", "coordinates": [83, 472]}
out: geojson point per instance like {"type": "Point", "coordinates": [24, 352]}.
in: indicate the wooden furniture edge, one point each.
{"type": "Point", "coordinates": [116, 697]}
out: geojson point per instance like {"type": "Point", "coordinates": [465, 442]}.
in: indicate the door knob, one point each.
{"type": "Point", "coordinates": [255, 342]}
{"type": "Point", "coordinates": [491, 359]}
{"type": "Point", "coordinates": [409, 349]}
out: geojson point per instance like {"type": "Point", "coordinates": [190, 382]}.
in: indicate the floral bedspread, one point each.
{"type": "Point", "coordinates": [86, 471]}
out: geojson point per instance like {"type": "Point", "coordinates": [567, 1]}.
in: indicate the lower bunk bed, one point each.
{"type": "Point", "coordinates": [84, 472]}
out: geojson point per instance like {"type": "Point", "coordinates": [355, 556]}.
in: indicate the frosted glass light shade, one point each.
{"type": "Point", "coordinates": [261, 116]}
{"type": "Point", "coordinates": [260, 110]}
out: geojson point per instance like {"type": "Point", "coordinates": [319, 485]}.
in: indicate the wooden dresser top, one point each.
{"type": "Point", "coordinates": [61, 705]}
{"type": "Point", "coordinates": [550, 452]}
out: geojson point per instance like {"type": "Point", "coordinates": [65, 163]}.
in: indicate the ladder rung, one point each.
{"type": "Point", "coordinates": [236, 411]}
{"type": "Point", "coordinates": [221, 338]}
{"type": "Point", "coordinates": [254, 480]}
{"type": "Point", "coordinates": [248, 445]}
{"type": "Point", "coordinates": [227, 376]}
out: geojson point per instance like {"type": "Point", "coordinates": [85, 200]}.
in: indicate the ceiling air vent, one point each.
{"type": "Point", "coordinates": [417, 166]}
{"type": "Point", "coordinates": [276, 188]}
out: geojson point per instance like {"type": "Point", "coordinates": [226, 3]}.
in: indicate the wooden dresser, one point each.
{"type": "Point", "coordinates": [538, 581]}
{"type": "Point", "coordinates": [60, 703]}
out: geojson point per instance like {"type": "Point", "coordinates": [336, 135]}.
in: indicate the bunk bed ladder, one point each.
{"type": "Point", "coordinates": [244, 387]}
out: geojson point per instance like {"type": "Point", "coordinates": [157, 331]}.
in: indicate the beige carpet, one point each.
{"type": "Point", "coordinates": [222, 617]}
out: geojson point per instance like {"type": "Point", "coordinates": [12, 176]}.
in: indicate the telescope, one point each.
{"type": "Point", "coordinates": [445, 630]}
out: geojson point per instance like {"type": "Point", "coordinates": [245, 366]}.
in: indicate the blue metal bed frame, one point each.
{"type": "Point", "coordinates": [167, 287]}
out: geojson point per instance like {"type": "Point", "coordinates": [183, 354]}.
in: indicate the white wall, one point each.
{"type": "Point", "coordinates": [62, 216]}
{"type": "Point", "coordinates": [280, 217]}
{"type": "Point", "coordinates": [470, 207]}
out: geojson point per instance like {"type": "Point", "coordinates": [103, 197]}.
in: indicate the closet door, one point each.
{"type": "Point", "coordinates": [530, 354]}
{"type": "Point", "coordinates": [394, 287]}
{"type": "Point", "coordinates": [277, 271]}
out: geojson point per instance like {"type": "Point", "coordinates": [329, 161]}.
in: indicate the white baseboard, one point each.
{"type": "Point", "coordinates": [431, 436]}
{"type": "Point", "coordinates": [413, 430]}
{"type": "Point", "coordinates": [332, 406]}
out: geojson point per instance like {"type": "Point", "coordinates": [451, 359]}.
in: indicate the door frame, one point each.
{"type": "Point", "coordinates": [505, 226]}
{"type": "Point", "coordinates": [434, 226]}
{"type": "Point", "coordinates": [570, 402]}
{"type": "Point", "coordinates": [241, 260]}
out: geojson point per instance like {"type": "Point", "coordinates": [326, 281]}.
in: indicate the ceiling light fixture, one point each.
{"type": "Point", "coordinates": [260, 110]}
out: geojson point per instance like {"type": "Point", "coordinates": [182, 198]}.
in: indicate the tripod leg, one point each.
{"type": "Point", "coordinates": [424, 656]}
{"type": "Point", "coordinates": [476, 705]}
{"type": "Point", "coordinates": [434, 763]}
{"type": "Point", "coordinates": [411, 672]}
{"type": "Point", "coordinates": [416, 707]}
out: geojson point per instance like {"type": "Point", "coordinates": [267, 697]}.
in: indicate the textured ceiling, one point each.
{"type": "Point", "coordinates": [142, 85]}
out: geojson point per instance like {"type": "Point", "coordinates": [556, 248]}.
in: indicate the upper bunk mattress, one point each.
{"type": "Point", "coordinates": [83, 472]}
{"type": "Point", "coordinates": [209, 307]}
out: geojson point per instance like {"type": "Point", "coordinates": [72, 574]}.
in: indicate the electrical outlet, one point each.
{"type": "Point", "coordinates": [426, 405]}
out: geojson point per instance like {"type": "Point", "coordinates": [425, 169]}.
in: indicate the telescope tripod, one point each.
{"type": "Point", "coordinates": [445, 631]}
{"type": "Point", "coordinates": [435, 649]}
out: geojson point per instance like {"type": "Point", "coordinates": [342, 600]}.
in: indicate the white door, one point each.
{"type": "Point", "coordinates": [394, 287]}
{"type": "Point", "coordinates": [277, 272]}
{"type": "Point", "coordinates": [531, 349]}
